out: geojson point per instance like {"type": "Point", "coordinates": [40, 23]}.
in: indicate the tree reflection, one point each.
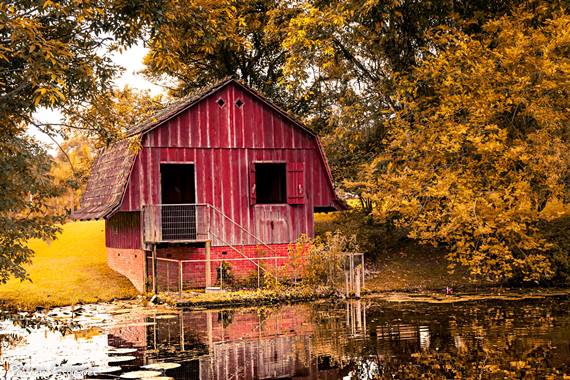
{"type": "Point", "coordinates": [472, 340]}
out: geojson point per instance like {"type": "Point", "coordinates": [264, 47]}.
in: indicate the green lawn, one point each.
{"type": "Point", "coordinates": [69, 270]}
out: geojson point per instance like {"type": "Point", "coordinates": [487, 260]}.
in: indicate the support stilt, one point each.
{"type": "Point", "coordinates": [208, 265]}
{"type": "Point", "coordinates": [154, 270]}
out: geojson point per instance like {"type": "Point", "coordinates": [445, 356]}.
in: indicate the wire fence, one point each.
{"type": "Point", "coordinates": [225, 273]}
{"type": "Point", "coordinates": [353, 273]}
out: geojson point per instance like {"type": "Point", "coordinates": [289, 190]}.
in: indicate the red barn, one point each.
{"type": "Point", "coordinates": [222, 175]}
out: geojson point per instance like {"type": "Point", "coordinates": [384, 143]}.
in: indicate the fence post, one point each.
{"type": "Point", "coordinates": [357, 282]}
{"type": "Point", "coordinates": [208, 267]}
{"type": "Point", "coordinates": [275, 270]}
{"type": "Point", "coordinates": [362, 265]}
{"type": "Point", "coordinates": [346, 282]}
{"type": "Point", "coordinates": [351, 272]}
{"type": "Point", "coordinates": [154, 270]}
{"type": "Point", "coordinates": [222, 274]}
{"type": "Point", "coordinates": [181, 276]}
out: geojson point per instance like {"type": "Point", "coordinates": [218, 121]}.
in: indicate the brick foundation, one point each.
{"type": "Point", "coordinates": [129, 263]}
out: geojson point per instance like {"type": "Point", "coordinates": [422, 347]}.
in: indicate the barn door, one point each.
{"type": "Point", "coordinates": [296, 183]}
{"type": "Point", "coordinates": [178, 196]}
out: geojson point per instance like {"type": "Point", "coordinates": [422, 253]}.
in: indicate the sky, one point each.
{"type": "Point", "coordinates": [132, 61]}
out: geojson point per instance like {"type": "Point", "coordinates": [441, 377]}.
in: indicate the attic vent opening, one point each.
{"type": "Point", "coordinates": [239, 103]}
{"type": "Point", "coordinates": [220, 102]}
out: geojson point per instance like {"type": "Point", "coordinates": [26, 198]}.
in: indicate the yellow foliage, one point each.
{"type": "Point", "coordinates": [483, 145]}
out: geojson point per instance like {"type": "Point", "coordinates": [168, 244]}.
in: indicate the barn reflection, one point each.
{"type": "Point", "coordinates": [291, 342]}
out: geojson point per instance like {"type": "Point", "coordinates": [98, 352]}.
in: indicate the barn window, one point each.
{"type": "Point", "coordinates": [239, 103]}
{"type": "Point", "coordinates": [270, 183]}
{"type": "Point", "coordinates": [221, 102]}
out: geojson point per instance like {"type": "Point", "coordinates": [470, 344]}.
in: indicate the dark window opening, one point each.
{"type": "Point", "coordinates": [239, 103]}
{"type": "Point", "coordinates": [178, 220]}
{"type": "Point", "coordinates": [221, 102]}
{"type": "Point", "coordinates": [270, 183]}
{"type": "Point", "coordinates": [177, 183]}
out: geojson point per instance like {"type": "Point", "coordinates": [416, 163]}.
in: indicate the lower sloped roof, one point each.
{"type": "Point", "coordinates": [107, 181]}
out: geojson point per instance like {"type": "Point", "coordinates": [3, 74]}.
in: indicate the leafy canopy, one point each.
{"type": "Point", "coordinates": [50, 56]}
{"type": "Point", "coordinates": [481, 145]}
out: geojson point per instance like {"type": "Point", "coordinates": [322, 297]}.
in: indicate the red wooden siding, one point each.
{"type": "Point", "coordinates": [123, 230]}
{"type": "Point", "coordinates": [222, 143]}
{"type": "Point", "coordinates": [296, 183]}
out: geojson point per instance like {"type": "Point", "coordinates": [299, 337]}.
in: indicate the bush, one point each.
{"type": "Point", "coordinates": [375, 239]}
{"type": "Point", "coordinates": [225, 272]}
{"type": "Point", "coordinates": [325, 258]}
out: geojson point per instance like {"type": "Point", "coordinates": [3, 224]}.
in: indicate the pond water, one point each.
{"type": "Point", "coordinates": [325, 340]}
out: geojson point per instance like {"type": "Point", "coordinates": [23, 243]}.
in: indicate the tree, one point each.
{"type": "Point", "coordinates": [88, 129]}
{"type": "Point", "coordinates": [49, 57]}
{"type": "Point", "coordinates": [25, 188]}
{"type": "Point", "coordinates": [110, 114]}
{"type": "Point", "coordinates": [344, 58]}
{"type": "Point", "coordinates": [481, 144]}
{"type": "Point", "coordinates": [70, 168]}
{"type": "Point", "coordinates": [200, 42]}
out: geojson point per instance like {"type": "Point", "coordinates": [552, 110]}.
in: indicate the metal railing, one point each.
{"type": "Point", "coordinates": [179, 275]}
{"type": "Point", "coordinates": [176, 223]}
{"type": "Point", "coordinates": [187, 223]}
{"type": "Point", "coordinates": [192, 222]}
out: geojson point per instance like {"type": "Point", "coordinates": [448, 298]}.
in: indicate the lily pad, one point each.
{"type": "Point", "coordinates": [120, 359]}
{"type": "Point", "coordinates": [102, 370]}
{"type": "Point", "coordinates": [121, 350]}
{"type": "Point", "coordinates": [161, 366]}
{"type": "Point", "coordinates": [140, 374]}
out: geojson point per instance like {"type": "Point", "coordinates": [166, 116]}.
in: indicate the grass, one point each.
{"type": "Point", "coordinates": [69, 270]}
{"type": "Point", "coordinates": [398, 264]}
{"type": "Point", "coordinates": [416, 268]}
{"type": "Point", "coordinates": [249, 297]}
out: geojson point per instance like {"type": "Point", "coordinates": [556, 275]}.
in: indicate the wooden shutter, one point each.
{"type": "Point", "coordinates": [296, 183]}
{"type": "Point", "coordinates": [252, 191]}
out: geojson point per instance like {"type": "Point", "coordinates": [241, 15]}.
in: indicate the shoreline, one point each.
{"type": "Point", "coordinates": [286, 296]}
{"type": "Point", "coordinates": [198, 301]}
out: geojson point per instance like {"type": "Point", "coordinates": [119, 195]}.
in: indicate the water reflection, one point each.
{"type": "Point", "coordinates": [351, 340]}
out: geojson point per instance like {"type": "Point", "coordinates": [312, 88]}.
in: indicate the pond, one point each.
{"type": "Point", "coordinates": [326, 340]}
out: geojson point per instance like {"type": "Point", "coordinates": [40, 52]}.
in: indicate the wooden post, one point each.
{"type": "Point", "coordinates": [208, 265]}
{"type": "Point", "coordinates": [222, 274]}
{"type": "Point", "coordinates": [258, 275]}
{"type": "Point", "coordinates": [362, 267]}
{"type": "Point", "coordinates": [181, 276]}
{"type": "Point", "coordinates": [351, 272]}
{"type": "Point", "coordinates": [359, 315]}
{"type": "Point", "coordinates": [346, 283]}
{"type": "Point", "coordinates": [357, 282]}
{"type": "Point", "coordinates": [210, 329]}
{"type": "Point", "coordinates": [145, 270]}
{"type": "Point", "coordinates": [154, 270]}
